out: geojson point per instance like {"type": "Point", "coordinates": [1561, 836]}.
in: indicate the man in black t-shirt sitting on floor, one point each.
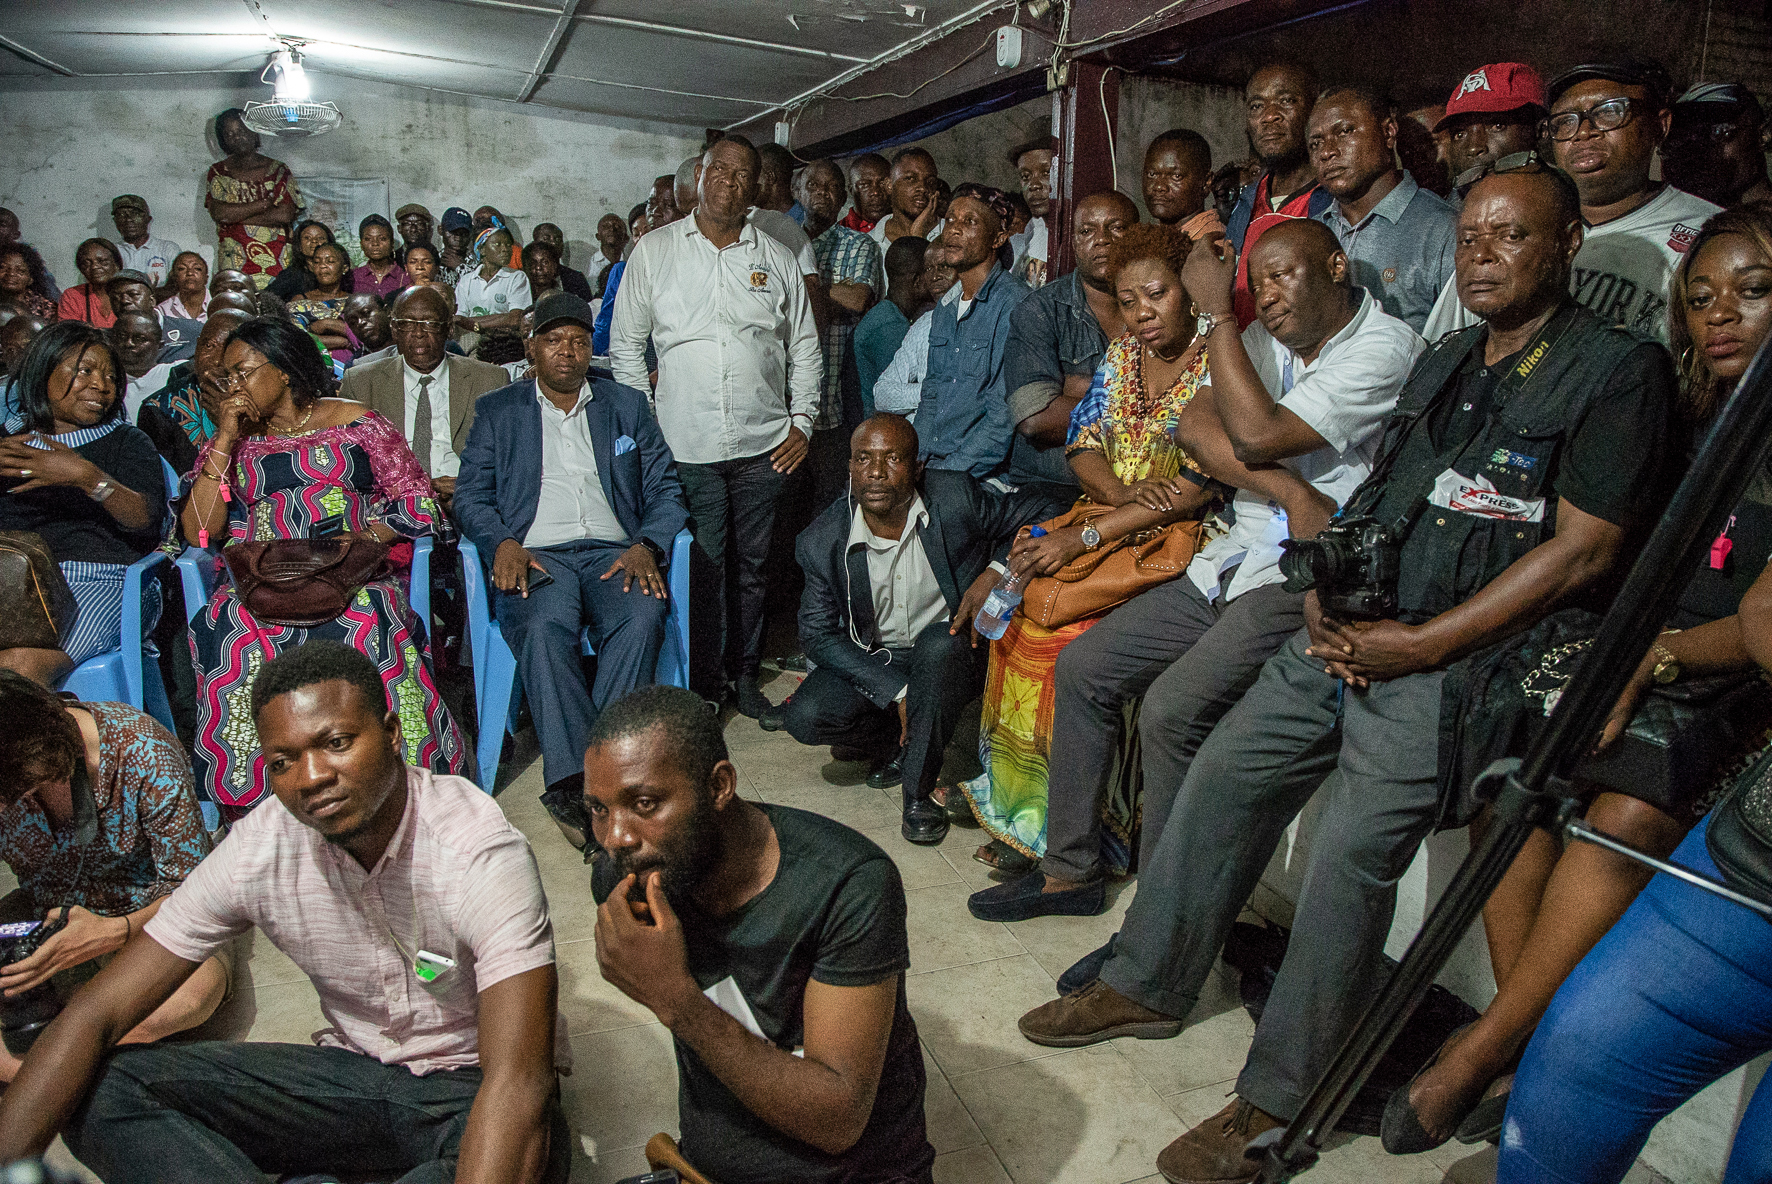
{"type": "Point", "coordinates": [770, 941]}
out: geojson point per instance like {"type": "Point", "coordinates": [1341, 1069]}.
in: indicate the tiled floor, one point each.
{"type": "Point", "coordinates": [999, 1108]}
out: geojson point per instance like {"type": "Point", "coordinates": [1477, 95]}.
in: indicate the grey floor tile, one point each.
{"type": "Point", "coordinates": [966, 1014]}
{"type": "Point", "coordinates": [623, 1089]}
{"type": "Point", "coordinates": [975, 1165]}
{"type": "Point", "coordinates": [943, 933]}
{"type": "Point", "coordinates": [588, 1002]}
{"type": "Point", "coordinates": [950, 1127]}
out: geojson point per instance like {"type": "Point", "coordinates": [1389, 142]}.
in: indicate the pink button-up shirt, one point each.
{"type": "Point", "coordinates": [457, 880]}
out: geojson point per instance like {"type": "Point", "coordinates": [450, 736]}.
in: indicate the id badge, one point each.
{"type": "Point", "coordinates": [433, 971]}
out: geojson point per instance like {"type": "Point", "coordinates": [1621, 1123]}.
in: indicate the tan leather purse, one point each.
{"type": "Point", "coordinates": [302, 582]}
{"type": "Point", "coordinates": [1110, 575]}
{"type": "Point", "coordinates": [37, 610]}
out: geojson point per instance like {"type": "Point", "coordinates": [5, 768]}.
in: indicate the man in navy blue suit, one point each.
{"type": "Point", "coordinates": [568, 477]}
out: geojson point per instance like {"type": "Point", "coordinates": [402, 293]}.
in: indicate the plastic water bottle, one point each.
{"type": "Point", "coordinates": [993, 619]}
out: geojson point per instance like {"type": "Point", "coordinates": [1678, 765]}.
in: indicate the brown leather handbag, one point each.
{"type": "Point", "coordinates": [37, 609]}
{"type": "Point", "coordinates": [302, 582]}
{"type": "Point", "coordinates": [1110, 575]}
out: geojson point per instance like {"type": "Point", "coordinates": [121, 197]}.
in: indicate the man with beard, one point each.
{"type": "Point", "coordinates": [416, 910]}
{"type": "Point", "coordinates": [1606, 121]}
{"type": "Point", "coordinates": [771, 942]}
{"type": "Point", "coordinates": [1397, 235]}
{"type": "Point", "coordinates": [1279, 99]}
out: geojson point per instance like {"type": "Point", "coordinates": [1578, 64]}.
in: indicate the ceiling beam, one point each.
{"type": "Point", "coordinates": [37, 59]}
{"type": "Point", "coordinates": [549, 48]}
{"type": "Point", "coordinates": [592, 18]}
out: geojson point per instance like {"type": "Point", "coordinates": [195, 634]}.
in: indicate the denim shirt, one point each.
{"type": "Point", "coordinates": [963, 418]}
{"type": "Point", "coordinates": [1052, 336]}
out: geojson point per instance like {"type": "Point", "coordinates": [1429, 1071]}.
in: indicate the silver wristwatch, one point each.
{"type": "Point", "coordinates": [1210, 321]}
{"type": "Point", "coordinates": [1090, 536]}
{"type": "Point", "coordinates": [102, 490]}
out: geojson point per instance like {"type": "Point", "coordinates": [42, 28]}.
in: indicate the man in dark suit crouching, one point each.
{"type": "Point", "coordinates": [568, 476]}
{"type": "Point", "coordinates": [892, 583]}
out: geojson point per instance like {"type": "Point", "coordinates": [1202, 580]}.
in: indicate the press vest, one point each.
{"type": "Point", "coordinates": [1450, 555]}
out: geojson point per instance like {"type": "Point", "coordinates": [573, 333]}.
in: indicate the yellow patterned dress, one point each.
{"type": "Point", "coordinates": [259, 251]}
{"type": "Point", "coordinates": [1133, 430]}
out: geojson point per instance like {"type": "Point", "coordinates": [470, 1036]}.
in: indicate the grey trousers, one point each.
{"type": "Point", "coordinates": [1191, 660]}
{"type": "Point", "coordinates": [1378, 751]}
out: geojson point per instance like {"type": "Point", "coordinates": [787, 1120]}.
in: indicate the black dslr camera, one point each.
{"type": "Point", "coordinates": [1353, 565]}
{"type": "Point", "coordinates": [23, 1017]}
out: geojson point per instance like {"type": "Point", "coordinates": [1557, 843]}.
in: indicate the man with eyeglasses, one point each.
{"type": "Point", "coordinates": [1717, 145]}
{"type": "Point", "coordinates": [1606, 121]}
{"type": "Point", "coordinates": [429, 393]}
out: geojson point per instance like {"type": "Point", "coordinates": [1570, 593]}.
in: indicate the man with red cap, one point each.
{"type": "Point", "coordinates": [1494, 112]}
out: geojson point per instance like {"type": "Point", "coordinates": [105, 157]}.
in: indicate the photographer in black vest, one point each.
{"type": "Point", "coordinates": [1522, 458]}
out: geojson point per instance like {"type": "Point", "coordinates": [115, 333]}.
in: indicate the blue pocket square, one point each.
{"type": "Point", "coordinates": [624, 444]}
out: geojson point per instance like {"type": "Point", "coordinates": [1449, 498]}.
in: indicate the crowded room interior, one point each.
{"type": "Point", "coordinates": [810, 592]}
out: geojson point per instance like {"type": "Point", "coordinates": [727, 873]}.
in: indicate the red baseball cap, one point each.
{"type": "Point", "coordinates": [1493, 89]}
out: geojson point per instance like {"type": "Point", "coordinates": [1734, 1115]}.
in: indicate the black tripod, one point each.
{"type": "Point", "coordinates": [1535, 791]}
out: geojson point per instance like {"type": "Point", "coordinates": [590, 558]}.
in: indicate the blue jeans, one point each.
{"type": "Point", "coordinates": [1675, 996]}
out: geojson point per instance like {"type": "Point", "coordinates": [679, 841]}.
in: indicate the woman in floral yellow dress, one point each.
{"type": "Point", "coordinates": [253, 200]}
{"type": "Point", "coordinates": [1124, 454]}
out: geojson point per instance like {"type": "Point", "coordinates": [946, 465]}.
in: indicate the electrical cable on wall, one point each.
{"type": "Point", "coordinates": [1108, 125]}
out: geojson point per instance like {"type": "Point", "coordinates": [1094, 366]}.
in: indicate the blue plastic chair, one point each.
{"type": "Point", "coordinates": [121, 676]}
{"type": "Point", "coordinates": [498, 690]}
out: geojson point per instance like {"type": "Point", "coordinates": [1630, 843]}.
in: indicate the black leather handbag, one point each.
{"type": "Point", "coordinates": [1682, 739]}
{"type": "Point", "coordinates": [1740, 835]}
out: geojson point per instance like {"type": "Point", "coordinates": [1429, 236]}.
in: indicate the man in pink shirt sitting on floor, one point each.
{"type": "Point", "coordinates": [417, 911]}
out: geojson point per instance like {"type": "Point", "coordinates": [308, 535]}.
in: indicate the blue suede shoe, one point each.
{"type": "Point", "coordinates": [1086, 969]}
{"type": "Point", "coordinates": [1023, 899]}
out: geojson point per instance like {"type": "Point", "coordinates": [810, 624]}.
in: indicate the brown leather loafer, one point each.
{"type": "Point", "coordinates": [1095, 1013]}
{"type": "Point", "coordinates": [1212, 1153]}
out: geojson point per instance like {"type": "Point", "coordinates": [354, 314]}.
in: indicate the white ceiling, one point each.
{"type": "Point", "coordinates": [697, 63]}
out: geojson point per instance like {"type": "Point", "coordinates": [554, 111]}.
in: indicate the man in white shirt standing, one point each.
{"type": "Point", "coordinates": [424, 390]}
{"type": "Point", "coordinates": [1302, 395]}
{"type": "Point", "coordinates": [740, 373]}
{"type": "Point", "coordinates": [1606, 122]}
{"type": "Point", "coordinates": [141, 251]}
{"type": "Point", "coordinates": [569, 491]}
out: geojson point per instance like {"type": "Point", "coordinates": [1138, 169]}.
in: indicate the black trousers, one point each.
{"type": "Point", "coordinates": [733, 505]}
{"type": "Point", "coordinates": [945, 674]}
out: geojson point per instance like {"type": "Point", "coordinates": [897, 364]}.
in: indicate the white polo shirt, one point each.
{"type": "Point", "coordinates": [444, 461]}
{"type": "Point", "coordinates": [506, 291]}
{"type": "Point", "coordinates": [739, 358]}
{"type": "Point", "coordinates": [153, 258]}
{"type": "Point", "coordinates": [1344, 395]}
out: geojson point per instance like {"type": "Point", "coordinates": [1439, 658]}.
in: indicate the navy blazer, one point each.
{"type": "Point", "coordinates": [500, 481]}
{"type": "Point", "coordinates": [968, 526]}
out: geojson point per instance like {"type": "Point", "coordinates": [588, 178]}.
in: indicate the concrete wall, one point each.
{"type": "Point", "coordinates": [67, 152]}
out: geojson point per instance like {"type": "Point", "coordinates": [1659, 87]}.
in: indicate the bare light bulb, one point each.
{"type": "Point", "coordinates": [291, 85]}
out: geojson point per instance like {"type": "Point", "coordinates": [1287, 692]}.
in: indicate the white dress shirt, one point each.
{"type": "Point", "coordinates": [1344, 395]}
{"type": "Point", "coordinates": [572, 506]}
{"type": "Point", "coordinates": [444, 461]}
{"type": "Point", "coordinates": [789, 234]}
{"type": "Point", "coordinates": [739, 359]}
{"type": "Point", "coordinates": [878, 233]}
{"type": "Point", "coordinates": [140, 388]}
{"type": "Point", "coordinates": [907, 600]}
{"type": "Point", "coordinates": [153, 259]}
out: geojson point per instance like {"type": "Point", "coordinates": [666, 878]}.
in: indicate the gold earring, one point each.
{"type": "Point", "coordinates": [1194, 309]}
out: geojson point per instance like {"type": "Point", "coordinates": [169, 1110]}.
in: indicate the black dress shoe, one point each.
{"type": "Point", "coordinates": [751, 699]}
{"type": "Point", "coordinates": [776, 718]}
{"type": "Point", "coordinates": [795, 664]}
{"type": "Point", "coordinates": [1027, 898]}
{"type": "Point", "coordinates": [1086, 969]}
{"type": "Point", "coordinates": [890, 774]}
{"type": "Point", "coordinates": [924, 822]}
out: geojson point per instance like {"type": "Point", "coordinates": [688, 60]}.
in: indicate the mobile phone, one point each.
{"type": "Point", "coordinates": [539, 578]}
{"type": "Point", "coordinates": [19, 928]}
{"type": "Point", "coordinates": [327, 527]}
{"type": "Point", "coordinates": [668, 1176]}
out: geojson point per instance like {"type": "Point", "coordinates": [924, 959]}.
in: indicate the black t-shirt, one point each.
{"type": "Point", "coordinates": [835, 912]}
{"type": "Point", "coordinates": [76, 527]}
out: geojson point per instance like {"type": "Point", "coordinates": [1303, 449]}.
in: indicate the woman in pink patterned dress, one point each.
{"type": "Point", "coordinates": [253, 200]}
{"type": "Point", "coordinates": [291, 457]}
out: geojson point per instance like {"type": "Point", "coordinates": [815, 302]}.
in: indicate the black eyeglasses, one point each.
{"type": "Point", "coordinates": [1604, 117]}
{"type": "Point", "coordinates": [409, 325]}
{"type": "Point", "coordinates": [1714, 132]}
{"type": "Point", "coordinates": [1514, 162]}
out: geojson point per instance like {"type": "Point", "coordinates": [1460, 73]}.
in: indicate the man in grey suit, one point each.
{"type": "Point", "coordinates": [424, 385]}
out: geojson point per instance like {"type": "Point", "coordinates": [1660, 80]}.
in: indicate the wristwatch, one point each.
{"type": "Point", "coordinates": [1090, 536]}
{"type": "Point", "coordinates": [658, 554]}
{"type": "Point", "coordinates": [102, 490]}
{"type": "Point", "coordinates": [1209, 321]}
{"type": "Point", "coordinates": [1667, 667]}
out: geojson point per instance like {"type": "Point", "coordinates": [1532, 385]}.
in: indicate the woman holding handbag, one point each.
{"type": "Point", "coordinates": [1685, 724]}
{"type": "Point", "coordinates": [1136, 525]}
{"type": "Point", "coordinates": [304, 492]}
